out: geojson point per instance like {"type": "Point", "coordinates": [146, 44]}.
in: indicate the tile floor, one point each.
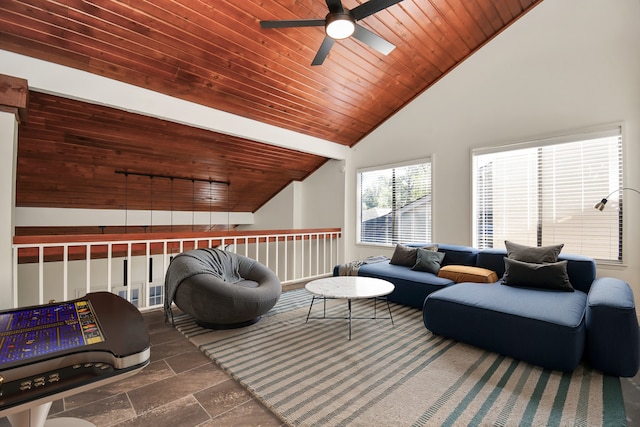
{"type": "Point", "coordinates": [182, 387]}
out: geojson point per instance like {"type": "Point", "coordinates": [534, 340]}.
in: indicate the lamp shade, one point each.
{"type": "Point", "coordinates": [601, 204]}
{"type": "Point", "coordinates": [339, 25]}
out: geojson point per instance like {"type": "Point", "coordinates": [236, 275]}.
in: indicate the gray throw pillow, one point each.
{"type": "Point", "coordinates": [406, 255]}
{"type": "Point", "coordinates": [429, 261]}
{"type": "Point", "coordinates": [533, 254]}
{"type": "Point", "coordinates": [551, 276]}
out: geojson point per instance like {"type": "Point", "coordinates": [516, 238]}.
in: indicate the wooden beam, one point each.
{"type": "Point", "coordinates": [14, 96]}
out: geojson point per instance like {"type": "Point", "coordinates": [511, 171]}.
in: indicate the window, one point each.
{"type": "Point", "coordinates": [395, 203]}
{"type": "Point", "coordinates": [135, 296]}
{"type": "Point", "coordinates": [544, 192]}
{"type": "Point", "coordinates": [156, 294]}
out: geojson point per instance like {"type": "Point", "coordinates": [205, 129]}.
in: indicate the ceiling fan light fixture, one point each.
{"type": "Point", "coordinates": [340, 25]}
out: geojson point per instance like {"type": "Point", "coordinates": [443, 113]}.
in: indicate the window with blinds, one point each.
{"type": "Point", "coordinates": [544, 193]}
{"type": "Point", "coordinates": [395, 203]}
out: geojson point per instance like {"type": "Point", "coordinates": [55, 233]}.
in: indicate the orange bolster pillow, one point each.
{"type": "Point", "coordinates": [465, 273]}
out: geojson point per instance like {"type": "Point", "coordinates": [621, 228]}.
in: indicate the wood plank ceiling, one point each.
{"type": "Point", "coordinates": [216, 54]}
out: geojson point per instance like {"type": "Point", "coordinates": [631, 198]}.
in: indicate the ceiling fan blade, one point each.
{"type": "Point", "coordinates": [293, 23]}
{"type": "Point", "coordinates": [335, 6]}
{"type": "Point", "coordinates": [371, 7]}
{"type": "Point", "coordinates": [325, 47]}
{"type": "Point", "coordinates": [373, 40]}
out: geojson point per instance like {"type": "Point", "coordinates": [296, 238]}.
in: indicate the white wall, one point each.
{"type": "Point", "coordinates": [318, 202]}
{"type": "Point", "coordinates": [281, 212]}
{"type": "Point", "coordinates": [566, 65]}
{"type": "Point", "coordinates": [323, 196]}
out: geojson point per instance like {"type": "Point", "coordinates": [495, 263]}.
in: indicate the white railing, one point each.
{"type": "Point", "coordinates": [135, 269]}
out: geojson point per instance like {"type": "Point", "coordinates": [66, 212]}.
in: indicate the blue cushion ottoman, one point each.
{"type": "Point", "coordinates": [546, 328]}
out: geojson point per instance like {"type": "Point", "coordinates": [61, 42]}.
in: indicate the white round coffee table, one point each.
{"type": "Point", "coordinates": [349, 288]}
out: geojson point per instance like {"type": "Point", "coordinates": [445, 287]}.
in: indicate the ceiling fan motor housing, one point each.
{"type": "Point", "coordinates": [340, 25]}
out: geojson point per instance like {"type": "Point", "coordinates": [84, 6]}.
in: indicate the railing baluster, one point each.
{"type": "Point", "coordinates": [88, 269]}
{"type": "Point", "coordinates": [65, 272]}
{"type": "Point", "coordinates": [277, 247]}
{"type": "Point", "coordinates": [318, 253]}
{"type": "Point", "coordinates": [295, 264]}
{"type": "Point", "coordinates": [257, 257]}
{"type": "Point", "coordinates": [331, 250]}
{"type": "Point", "coordinates": [129, 267]}
{"type": "Point", "coordinates": [109, 265]}
{"type": "Point", "coordinates": [147, 281]}
{"type": "Point", "coordinates": [15, 276]}
{"type": "Point", "coordinates": [267, 252]}
{"type": "Point", "coordinates": [286, 258]}
{"type": "Point", "coordinates": [41, 274]}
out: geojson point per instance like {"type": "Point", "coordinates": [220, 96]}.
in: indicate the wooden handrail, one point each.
{"type": "Point", "coordinates": [28, 251]}
{"type": "Point", "coordinates": [88, 238]}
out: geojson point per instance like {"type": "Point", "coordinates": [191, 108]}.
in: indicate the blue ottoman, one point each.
{"type": "Point", "coordinates": [546, 328]}
{"type": "Point", "coordinates": [613, 338]}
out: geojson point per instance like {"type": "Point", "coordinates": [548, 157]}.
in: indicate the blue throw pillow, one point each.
{"type": "Point", "coordinates": [428, 261]}
{"type": "Point", "coordinates": [550, 276]}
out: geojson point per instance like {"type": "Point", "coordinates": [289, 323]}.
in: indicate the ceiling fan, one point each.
{"type": "Point", "coordinates": [340, 23]}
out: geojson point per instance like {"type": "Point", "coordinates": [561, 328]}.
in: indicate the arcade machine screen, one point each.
{"type": "Point", "coordinates": [40, 331]}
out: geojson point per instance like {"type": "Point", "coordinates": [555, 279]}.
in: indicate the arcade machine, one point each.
{"type": "Point", "coordinates": [55, 350]}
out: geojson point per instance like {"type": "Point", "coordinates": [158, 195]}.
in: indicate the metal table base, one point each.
{"type": "Point", "coordinates": [350, 317]}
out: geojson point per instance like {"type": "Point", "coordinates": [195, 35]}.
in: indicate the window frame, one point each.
{"type": "Point", "coordinates": [603, 131]}
{"type": "Point", "coordinates": [359, 171]}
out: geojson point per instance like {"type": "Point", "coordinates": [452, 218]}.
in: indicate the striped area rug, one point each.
{"type": "Point", "coordinates": [310, 374]}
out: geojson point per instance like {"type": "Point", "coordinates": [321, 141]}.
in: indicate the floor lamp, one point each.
{"type": "Point", "coordinates": [600, 205]}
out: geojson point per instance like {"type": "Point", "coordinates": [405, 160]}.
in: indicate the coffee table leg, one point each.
{"type": "Point", "coordinates": [324, 309]}
{"type": "Point", "coordinates": [310, 307]}
{"type": "Point", "coordinates": [349, 302]}
{"type": "Point", "coordinates": [389, 308]}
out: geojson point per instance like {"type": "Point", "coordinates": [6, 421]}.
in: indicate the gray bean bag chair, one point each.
{"type": "Point", "coordinates": [220, 289]}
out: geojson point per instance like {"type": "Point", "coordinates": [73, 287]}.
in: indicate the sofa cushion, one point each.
{"type": "Point", "coordinates": [581, 270]}
{"type": "Point", "coordinates": [411, 287]}
{"type": "Point", "coordinates": [552, 276]}
{"type": "Point", "coordinates": [535, 254]}
{"type": "Point", "coordinates": [456, 254]}
{"type": "Point", "coordinates": [545, 328]}
{"type": "Point", "coordinates": [428, 261]}
{"type": "Point", "coordinates": [465, 273]}
{"type": "Point", "coordinates": [492, 259]}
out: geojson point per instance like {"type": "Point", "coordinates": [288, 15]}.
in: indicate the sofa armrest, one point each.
{"type": "Point", "coordinates": [613, 335]}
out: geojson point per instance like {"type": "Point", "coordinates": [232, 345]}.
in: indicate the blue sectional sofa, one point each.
{"type": "Point", "coordinates": [595, 321]}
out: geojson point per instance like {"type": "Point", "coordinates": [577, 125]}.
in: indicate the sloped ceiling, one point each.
{"type": "Point", "coordinates": [217, 55]}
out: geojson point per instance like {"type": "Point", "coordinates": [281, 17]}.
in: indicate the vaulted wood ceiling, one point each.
{"type": "Point", "coordinates": [216, 54]}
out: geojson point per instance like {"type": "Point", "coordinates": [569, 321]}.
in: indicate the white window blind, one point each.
{"type": "Point", "coordinates": [395, 204]}
{"type": "Point", "coordinates": [544, 193]}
